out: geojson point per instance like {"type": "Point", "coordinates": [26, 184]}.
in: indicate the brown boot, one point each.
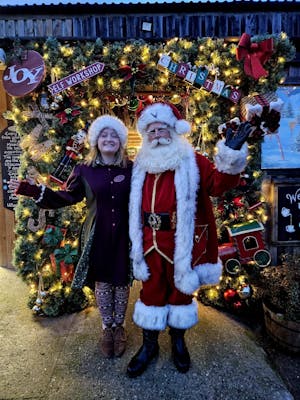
{"type": "Point", "coordinates": [107, 343]}
{"type": "Point", "coordinates": [119, 341]}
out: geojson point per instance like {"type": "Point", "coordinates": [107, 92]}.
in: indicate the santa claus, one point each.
{"type": "Point", "coordinates": [172, 226]}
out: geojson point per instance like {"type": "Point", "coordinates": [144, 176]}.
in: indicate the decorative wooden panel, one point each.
{"type": "Point", "coordinates": [164, 26]}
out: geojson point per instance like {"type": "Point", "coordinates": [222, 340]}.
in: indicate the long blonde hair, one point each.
{"type": "Point", "coordinates": [94, 155]}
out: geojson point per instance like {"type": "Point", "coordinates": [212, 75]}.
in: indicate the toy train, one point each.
{"type": "Point", "coordinates": [246, 245]}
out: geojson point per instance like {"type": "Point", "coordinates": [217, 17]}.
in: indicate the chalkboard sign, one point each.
{"type": "Point", "coordinates": [10, 162]}
{"type": "Point", "coordinates": [288, 213]}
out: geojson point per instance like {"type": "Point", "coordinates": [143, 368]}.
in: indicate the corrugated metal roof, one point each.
{"type": "Point", "coordinates": [15, 3]}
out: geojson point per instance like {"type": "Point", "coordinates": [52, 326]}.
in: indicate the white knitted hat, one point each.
{"type": "Point", "coordinates": [162, 112]}
{"type": "Point", "coordinates": [107, 121]}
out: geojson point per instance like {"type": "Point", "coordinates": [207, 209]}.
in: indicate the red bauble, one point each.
{"type": "Point", "coordinates": [237, 305]}
{"type": "Point", "coordinates": [229, 294]}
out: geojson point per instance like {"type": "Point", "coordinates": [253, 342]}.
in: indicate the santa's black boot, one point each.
{"type": "Point", "coordinates": [145, 355]}
{"type": "Point", "coordinates": [180, 352]}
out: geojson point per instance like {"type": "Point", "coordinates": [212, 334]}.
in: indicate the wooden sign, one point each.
{"type": "Point", "coordinates": [10, 162]}
{"type": "Point", "coordinates": [23, 77]}
{"type": "Point", "coordinates": [75, 78]}
{"type": "Point", "coordinates": [288, 213]}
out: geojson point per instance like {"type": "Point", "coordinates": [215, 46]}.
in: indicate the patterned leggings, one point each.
{"type": "Point", "coordinates": [112, 303]}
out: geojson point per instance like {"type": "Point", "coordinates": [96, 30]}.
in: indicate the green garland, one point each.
{"type": "Point", "coordinates": [109, 93]}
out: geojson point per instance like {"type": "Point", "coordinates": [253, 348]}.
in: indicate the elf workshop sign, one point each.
{"type": "Point", "coordinates": [75, 78]}
{"type": "Point", "coordinates": [10, 162]}
{"type": "Point", "coordinates": [288, 213]}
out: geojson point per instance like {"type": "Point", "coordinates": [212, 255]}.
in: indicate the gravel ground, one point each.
{"type": "Point", "coordinates": [59, 358]}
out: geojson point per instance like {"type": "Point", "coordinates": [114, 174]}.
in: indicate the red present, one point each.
{"type": "Point", "coordinates": [53, 263]}
{"type": "Point", "coordinates": [66, 272]}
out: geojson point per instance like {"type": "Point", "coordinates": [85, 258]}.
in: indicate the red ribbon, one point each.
{"type": "Point", "coordinates": [130, 72]}
{"type": "Point", "coordinates": [254, 55]}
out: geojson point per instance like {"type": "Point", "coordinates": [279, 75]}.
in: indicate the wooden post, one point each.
{"type": "Point", "coordinates": [7, 217]}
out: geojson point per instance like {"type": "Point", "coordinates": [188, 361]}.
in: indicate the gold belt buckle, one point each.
{"type": "Point", "coordinates": [154, 221]}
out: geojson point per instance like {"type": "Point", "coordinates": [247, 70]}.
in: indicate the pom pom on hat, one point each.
{"type": "Point", "coordinates": [107, 121]}
{"type": "Point", "coordinates": [165, 113]}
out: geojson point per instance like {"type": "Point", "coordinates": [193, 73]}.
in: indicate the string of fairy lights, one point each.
{"type": "Point", "coordinates": [111, 92]}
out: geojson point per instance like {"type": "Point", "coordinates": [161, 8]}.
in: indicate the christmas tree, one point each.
{"type": "Point", "coordinates": [134, 73]}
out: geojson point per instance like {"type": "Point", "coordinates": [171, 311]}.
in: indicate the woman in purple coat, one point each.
{"type": "Point", "coordinates": [104, 181]}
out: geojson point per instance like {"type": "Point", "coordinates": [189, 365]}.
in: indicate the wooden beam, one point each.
{"type": "Point", "coordinates": [7, 217]}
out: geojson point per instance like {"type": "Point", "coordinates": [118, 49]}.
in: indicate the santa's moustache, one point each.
{"type": "Point", "coordinates": [161, 140]}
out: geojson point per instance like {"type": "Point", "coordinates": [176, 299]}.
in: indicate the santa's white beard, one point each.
{"type": "Point", "coordinates": [162, 157]}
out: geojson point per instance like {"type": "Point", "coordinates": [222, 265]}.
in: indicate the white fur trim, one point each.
{"type": "Point", "coordinates": [107, 121]}
{"type": "Point", "coordinates": [183, 316]}
{"type": "Point", "coordinates": [186, 183]}
{"type": "Point", "coordinates": [182, 127]}
{"type": "Point", "coordinates": [150, 317]}
{"type": "Point", "coordinates": [235, 120]}
{"type": "Point", "coordinates": [209, 274]}
{"type": "Point", "coordinates": [276, 105]}
{"type": "Point", "coordinates": [41, 196]}
{"type": "Point", "coordinates": [159, 112]}
{"type": "Point", "coordinates": [231, 161]}
{"type": "Point", "coordinates": [252, 110]}
{"type": "Point", "coordinates": [187, 180]}
{"type": "Point", "coordinates": [140, 268]}
{"type": "Point", "coordinates": [221, 128]}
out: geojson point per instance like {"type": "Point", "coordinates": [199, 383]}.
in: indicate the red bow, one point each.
{"type": "Point", "coordinates": [254, 55]}
{"type": "Point", "coordinates": [133, 71]}
{"type": "Point", "coordinates": [68, 114]}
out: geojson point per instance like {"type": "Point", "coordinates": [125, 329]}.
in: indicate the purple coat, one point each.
{"type": "Point", "coordinates": [104, 236]}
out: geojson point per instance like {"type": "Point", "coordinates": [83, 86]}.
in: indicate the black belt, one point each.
{"type": "Point", "coordinates": [158, 221]}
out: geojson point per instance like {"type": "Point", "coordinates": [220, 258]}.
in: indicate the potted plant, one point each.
{"type": "Point", "coordinates": [281, 302]}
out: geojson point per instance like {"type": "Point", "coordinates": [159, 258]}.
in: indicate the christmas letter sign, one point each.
{"type": "Point", "coordinates": [24, 76]}
{"type": "Point", "coordinates": [198, 78]}
{"type": "Point", "coordinates": [75, 78]}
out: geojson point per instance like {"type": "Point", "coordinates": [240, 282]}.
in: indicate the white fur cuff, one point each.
{"type": "Point", "coordinates": [231, 161]}
{"type": "Point", "coordinates": [209, 274]}
{"type": "Point", "coordinates": [150, 317]}
{"type": "Point", "coordinates": [183, 317]}
{"type": "Point", "coordinates": [187, 282]}
{"type": "Point", "coordinates": [141, 271]}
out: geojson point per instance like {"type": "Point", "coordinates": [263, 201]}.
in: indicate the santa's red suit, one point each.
{"type": "Point", "coordinates": [173, 233]}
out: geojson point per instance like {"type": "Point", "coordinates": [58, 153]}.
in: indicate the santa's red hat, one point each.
{"type": "Point", "coordinates": [165, 113]}
{"type": "Point", "coordinates": [107, 121]}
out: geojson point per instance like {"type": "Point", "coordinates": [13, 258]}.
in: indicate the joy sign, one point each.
{"type": "Point", "coordinates": [22, 77]}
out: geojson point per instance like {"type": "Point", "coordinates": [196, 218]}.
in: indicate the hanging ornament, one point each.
{"type": "Point", "coordinates": [175, 99]}
{"type": "Point", "coordinates": [229, 295]}
{"type": "Point", "coordinates": [40, 224]}
{"type": "Point", "coordinates": [68, 114]}
{"type": "Point", "coordinates": [54, 106]}
{"type": "Point", "coordinates": [44, 101]}
{"type": "Point", "coordinates": [133, 104]}
{"type": "Point", "coordinates": [58, 98]}
{"type": "Point", "coordinates": [41, 294]}
{"type": "Point", "coordinates": [237, 305]}
{"type": "Point", "coordinates": [239, 201]}
{"type": "Point", "coordinates": [244, 291]}
{"type": "Point", "coordinates": [132, 73]}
